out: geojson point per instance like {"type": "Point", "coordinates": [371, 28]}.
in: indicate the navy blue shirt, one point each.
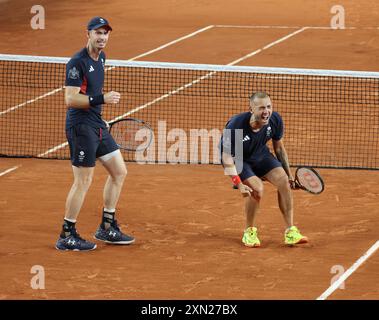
{"type": "Point", "coordinates": [254, 143]}
{"type": "Point", "coordinates": [84, 72]}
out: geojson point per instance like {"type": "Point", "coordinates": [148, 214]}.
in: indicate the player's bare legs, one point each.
{"type": "Point", "coordinates": [82, 182]}
{"type": "Point", "coordinates": [279, 179]}
{"type": "Point", "coordinates": [250, 235]}
{"type": "Point", "coordinates": [69, 239]}
{"type": "Point", "coordinates": [117, 173]}
{"type": "Point", "coordinates": [109, 230]}
{"type": "Point", "coordinates": [252, 202]}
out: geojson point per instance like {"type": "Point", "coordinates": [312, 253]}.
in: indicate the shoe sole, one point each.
{"type": "Point", "coordinates": [115, 242]}
{"type": "Point", "coordinates": [301, 241]}
{"type": "Point", "coordinates": [59, 249]}
{"type": "Point", "coordinates": [251, 245]}
{"type": "Point", "coordinates": [256, 245]}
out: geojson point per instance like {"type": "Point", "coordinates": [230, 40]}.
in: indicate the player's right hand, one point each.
{"type": "Point", "coordinates": [245, 190]}
{"type": "Point", "coordinates": [112, 97]}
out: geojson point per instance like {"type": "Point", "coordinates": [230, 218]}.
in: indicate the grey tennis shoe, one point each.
{"type": "Point", "coordinates": [73, 242]}
{"type": "Point", "coordinates": [113, 234]}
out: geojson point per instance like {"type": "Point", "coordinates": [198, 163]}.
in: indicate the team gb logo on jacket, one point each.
{"type": "Point", "coordinates": [268, 132]}
{"type": "Point", "coordinates": [73, 73]}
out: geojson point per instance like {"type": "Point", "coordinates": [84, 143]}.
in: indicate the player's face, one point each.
{"type": "Point", "coordinates": [98, 38]}
{"type": "Point", "coordinates": [261, 108]}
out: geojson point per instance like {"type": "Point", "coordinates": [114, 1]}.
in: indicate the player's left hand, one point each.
{"type": "Point", "coordinates": [112, 97]}
{"type": "Point", "coordinates": [245, 190]}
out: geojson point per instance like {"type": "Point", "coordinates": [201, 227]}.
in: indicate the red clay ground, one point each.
{"type": "Point", "coordinates": [144, 25]}
{"type": "Point", "coordinates": [188, 237]}
{"type": "Point", "coordinates": [187, 220]}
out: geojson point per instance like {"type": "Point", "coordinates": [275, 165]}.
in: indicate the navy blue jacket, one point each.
{"type": "Point", "coordinates": [84, 72]}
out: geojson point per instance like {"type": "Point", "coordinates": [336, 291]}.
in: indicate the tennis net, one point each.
{"type": "Point", "coordinates": [331, 117]}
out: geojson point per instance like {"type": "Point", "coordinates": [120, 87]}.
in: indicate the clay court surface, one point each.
{"type": "Point", "coordinates": [187, 220]}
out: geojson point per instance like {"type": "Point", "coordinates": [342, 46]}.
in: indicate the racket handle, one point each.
{"type": "Point", "coordinates": [298, 185]}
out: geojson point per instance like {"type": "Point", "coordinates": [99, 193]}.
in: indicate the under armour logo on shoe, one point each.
{"type": "Point", "coordinates": [91, 69]}
{"type": "Point", "coordinates": [112, 233]}
{"type": "Point", "coordinates": [71, 242]}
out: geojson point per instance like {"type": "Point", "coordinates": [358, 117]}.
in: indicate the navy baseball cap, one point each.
{"type": "Point", "coordinates": [98, 22]}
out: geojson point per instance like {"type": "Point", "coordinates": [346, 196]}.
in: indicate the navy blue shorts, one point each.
{"type": "Point", "coordinates": [259, 168]}
{"type": "Point", "coordinates": [88, 143]}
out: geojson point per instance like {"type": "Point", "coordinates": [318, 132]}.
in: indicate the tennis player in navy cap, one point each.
{"type": "Point", "coordinates": [89, 139]}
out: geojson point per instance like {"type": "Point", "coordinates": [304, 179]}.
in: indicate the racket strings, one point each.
{"type": "Point", "coordinates": [309, 180]}
{"type": "Point", "coordinates": [131, 135]}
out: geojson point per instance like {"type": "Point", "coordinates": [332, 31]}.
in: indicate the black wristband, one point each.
{"type": "Point", "coordinates": [96, 100]}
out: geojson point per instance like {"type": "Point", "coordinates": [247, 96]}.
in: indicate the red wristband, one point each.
{"type": "Point", "coordinates": [236, 180]}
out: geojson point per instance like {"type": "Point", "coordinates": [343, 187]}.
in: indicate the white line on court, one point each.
{"type": "Point", "coordinates": [349, 272]}
{"type": "Point", "coordinates": [293, 27]}
{"type": "Point", "coordinates": [8, 171]}
{"type": "Point", "coordinates": [132, 59]}
{"type": "Point", "coordinates": [171, 93]}
{"type": "Point", "coordinates": [31, 101]}
{"type": "Point", "coordinates": [60, 146]}
{"type": "Point", "coordinates": [268, 46]}
{"type": "Point", "coordinates": [255, 27]}
{"type": "Point", "coordinates": [172, 42]}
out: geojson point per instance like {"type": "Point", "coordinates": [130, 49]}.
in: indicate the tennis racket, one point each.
{"type": "Point", "coordinates": [131, 134]}
{"type": "Point", "coordinates": [309, 179]}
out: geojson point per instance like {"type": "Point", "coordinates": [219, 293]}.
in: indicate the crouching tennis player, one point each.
{"type": "Point", "coordinates": [257, 127]}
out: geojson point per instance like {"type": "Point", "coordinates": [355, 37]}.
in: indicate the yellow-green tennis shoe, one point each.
{"type": "Point", "coordinates": [293, 236]}
{"type": "Point", "coordinates": [250, 238]}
